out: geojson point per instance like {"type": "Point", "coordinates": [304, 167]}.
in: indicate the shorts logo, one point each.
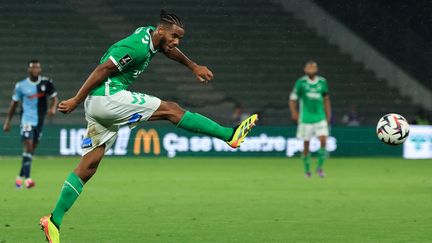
{"type": "Point", "coordinates": [134, 118]}
{"type": "Point", "coordinates": [138, 98]}
{"type": "Point", "coordinates": [87, 143]}
{"type": "Point", "coordinates": [125, 60]}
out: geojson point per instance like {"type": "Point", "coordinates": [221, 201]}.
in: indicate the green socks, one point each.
{"type": "Point", "coordinates": [307, 160]}
{"type": "Point", "coordinates": [321, 157]}
{"type": "Point", "coordinates": [71, 189]}
{"type": "Point", "coordinates": [195, 122]}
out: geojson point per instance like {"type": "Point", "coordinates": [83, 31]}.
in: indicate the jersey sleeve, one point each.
{"type": "Point", "coordinates": [124, 56]}
{"type": "Point", "coordinates": [296, 92]}
{"type": "Point", "coordinates": [51, 90]}
{"type": "Point", "coordinates": [17, 94]}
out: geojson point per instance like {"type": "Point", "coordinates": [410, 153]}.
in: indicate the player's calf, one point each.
{"type": "Point", "coordinates": [74, 183]}
{"type": "Point", "coordinates": [89, 163]}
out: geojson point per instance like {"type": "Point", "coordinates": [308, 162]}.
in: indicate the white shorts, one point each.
{"type": "Point", "coordinates": [306, 131]}
{"type": "Point", "coordinates": [105, 115]}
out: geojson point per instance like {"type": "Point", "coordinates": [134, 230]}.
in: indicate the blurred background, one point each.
{"type": "Point", "coordinates": [375, 55]}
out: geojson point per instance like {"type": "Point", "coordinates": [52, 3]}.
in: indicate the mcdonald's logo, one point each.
{"type": "Point", "coordinates": [146, 138]}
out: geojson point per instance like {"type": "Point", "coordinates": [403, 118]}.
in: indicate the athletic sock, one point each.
{"type": "Point", "coordinates": [195, 122]}
{"type": "Point", "coordinates": [307, 160]}
{"type": "Point", "coordinates": [321, 157]}
{"type": "Point", "coordinates": [71, 189]}
{"type": "Point", "coordinates": [26, 165]}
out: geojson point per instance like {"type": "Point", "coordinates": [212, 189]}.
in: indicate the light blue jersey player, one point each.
{"type": "Point", "coordinates": [33, 94]}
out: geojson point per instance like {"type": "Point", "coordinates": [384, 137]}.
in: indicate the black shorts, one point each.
{"type": "Point", "coordinates": [31, 132]}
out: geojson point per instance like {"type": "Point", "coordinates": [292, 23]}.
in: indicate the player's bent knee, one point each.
{"type": "Point", "coordinates": [173, 111]}
{"type": "Point", "coordinates": [173, 106]}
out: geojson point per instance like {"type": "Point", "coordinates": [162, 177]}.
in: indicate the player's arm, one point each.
{"type": "Point", "coordinates": [53, 105]}
{"type": "Point", "coordinates": [99, 74]}
{"type": "Point", "coordinates": [293, 109]}
{"type": "Point", "coordinates": [12, 108]}
{"type": "Point", "coordinates": [16, 97]}
{"type": "Point", "coordinates": [327, 103]}
{"type": "Point", "coordinates": [52, 94]}
{"type": "Point", "coordinates": [202, 73]}
{"type": "Point", "coordinates": [327, 107]}
{"type": "Point", "coordinates": [294, 96]}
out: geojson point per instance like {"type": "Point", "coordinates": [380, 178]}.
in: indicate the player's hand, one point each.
{"type": "Point", "coordinates": [67, 106]}
{"type": "Point", "coordinates": [6, 127]}
{"type": "Point", "coordinates": [202, 73]}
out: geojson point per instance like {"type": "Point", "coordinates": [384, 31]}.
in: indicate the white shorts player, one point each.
{"type": "Point", "coordinates": [105, 115]}
{"type": "Point", "coordinates": [310, 93]}
{"type": "Point", "coordinates": [306, 131]}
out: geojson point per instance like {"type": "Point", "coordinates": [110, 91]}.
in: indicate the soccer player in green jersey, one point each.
{"type": "Point", "coordinates": [311, 91]}
{"type": "Point", "coordinates": [108, 105]}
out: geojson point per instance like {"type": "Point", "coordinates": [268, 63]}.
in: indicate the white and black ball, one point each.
{"type": "Point", "coordinates": [392, 129]}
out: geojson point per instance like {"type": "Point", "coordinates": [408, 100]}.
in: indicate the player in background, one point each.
{"type": "Point", "coordinates": [108, 105]}
{"type": "Point", "coordinates": [33, 93]}
{"type": "Point", "coordinates": [311, 92]}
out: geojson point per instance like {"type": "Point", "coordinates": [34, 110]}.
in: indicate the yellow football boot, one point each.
{"type": "Point", "coordinates": [242, 130]}
{"type": "Point", "coordinates": [51, 231]}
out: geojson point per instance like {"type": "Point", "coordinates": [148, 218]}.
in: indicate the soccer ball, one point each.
{"type": "Point", "coordinates": [392, 129]}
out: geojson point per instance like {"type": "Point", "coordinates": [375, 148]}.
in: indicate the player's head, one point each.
{"type": "Point", "coordinates": [170, 29]}
{"type": "Point", "coordinates": [34, 68]}
{"type": "Point", "coordinates": [311, 68]}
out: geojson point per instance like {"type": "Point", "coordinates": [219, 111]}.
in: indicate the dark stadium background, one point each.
{"type": "Point", "coordinates": [255, 48]}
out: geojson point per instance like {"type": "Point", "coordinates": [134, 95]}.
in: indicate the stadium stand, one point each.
{"type": "Point", "coordinates": [405, 24]}
{"type": "Point", "coordinates": [66, 44]}
{"type": "Point", "coordinates": [256, 54]}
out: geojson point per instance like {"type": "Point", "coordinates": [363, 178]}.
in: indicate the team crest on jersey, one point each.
{"type": "Point", "coordinates": [43, 88]}
{"type": "Point", "coordinates": [125, 60]}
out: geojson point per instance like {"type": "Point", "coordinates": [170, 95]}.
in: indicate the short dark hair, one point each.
{"type": "Point", "coordinates": [32, 61]}
{"type": "Point", "coordinates": [170, 18]}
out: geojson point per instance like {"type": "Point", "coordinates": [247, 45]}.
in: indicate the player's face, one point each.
{"type": "Point", "coordinates": [311, 69]}
{"type": "Point", "coordinates": [34, 69]}
{"type": "Point", "coordinates": [171, 37]}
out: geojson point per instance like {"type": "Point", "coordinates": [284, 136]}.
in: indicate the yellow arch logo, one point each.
{"type": "Point", "coordinates": [146, 137]}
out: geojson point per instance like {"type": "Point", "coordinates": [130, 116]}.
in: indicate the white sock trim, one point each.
{"type": "Point", "coordinates": [67, 182]}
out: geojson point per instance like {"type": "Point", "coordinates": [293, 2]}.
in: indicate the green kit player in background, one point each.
{"type": "Point", "coordinates": [108, 105]}
{"type": "Point", "coordinates": [311, 91]}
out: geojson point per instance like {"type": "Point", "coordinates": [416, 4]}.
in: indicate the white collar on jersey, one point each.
{"type": "Point", "coordinates": [151, 42]}
{"type": "Point", "coordinates": [34, 83]}
{"type": "Point", "coordinates": [312, 81]}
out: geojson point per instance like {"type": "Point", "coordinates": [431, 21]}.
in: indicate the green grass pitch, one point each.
{"type": "Point", "coordinates": [225, 200]}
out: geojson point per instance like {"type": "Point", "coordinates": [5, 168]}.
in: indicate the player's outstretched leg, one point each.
{"type": "Point", "coordinates": [70, 191]}
{"type": "Point", "coordinates": [198, 123]}
{"type": "Point", "coordinates": [307, 160]}
{"type": "Point", "coordinates": [322, 154]}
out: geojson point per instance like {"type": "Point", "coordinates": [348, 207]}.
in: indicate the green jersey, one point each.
{"type": "Point", "coordinates": [131, 55]}
{"type": "Point", "coordinates": [310, 94]}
